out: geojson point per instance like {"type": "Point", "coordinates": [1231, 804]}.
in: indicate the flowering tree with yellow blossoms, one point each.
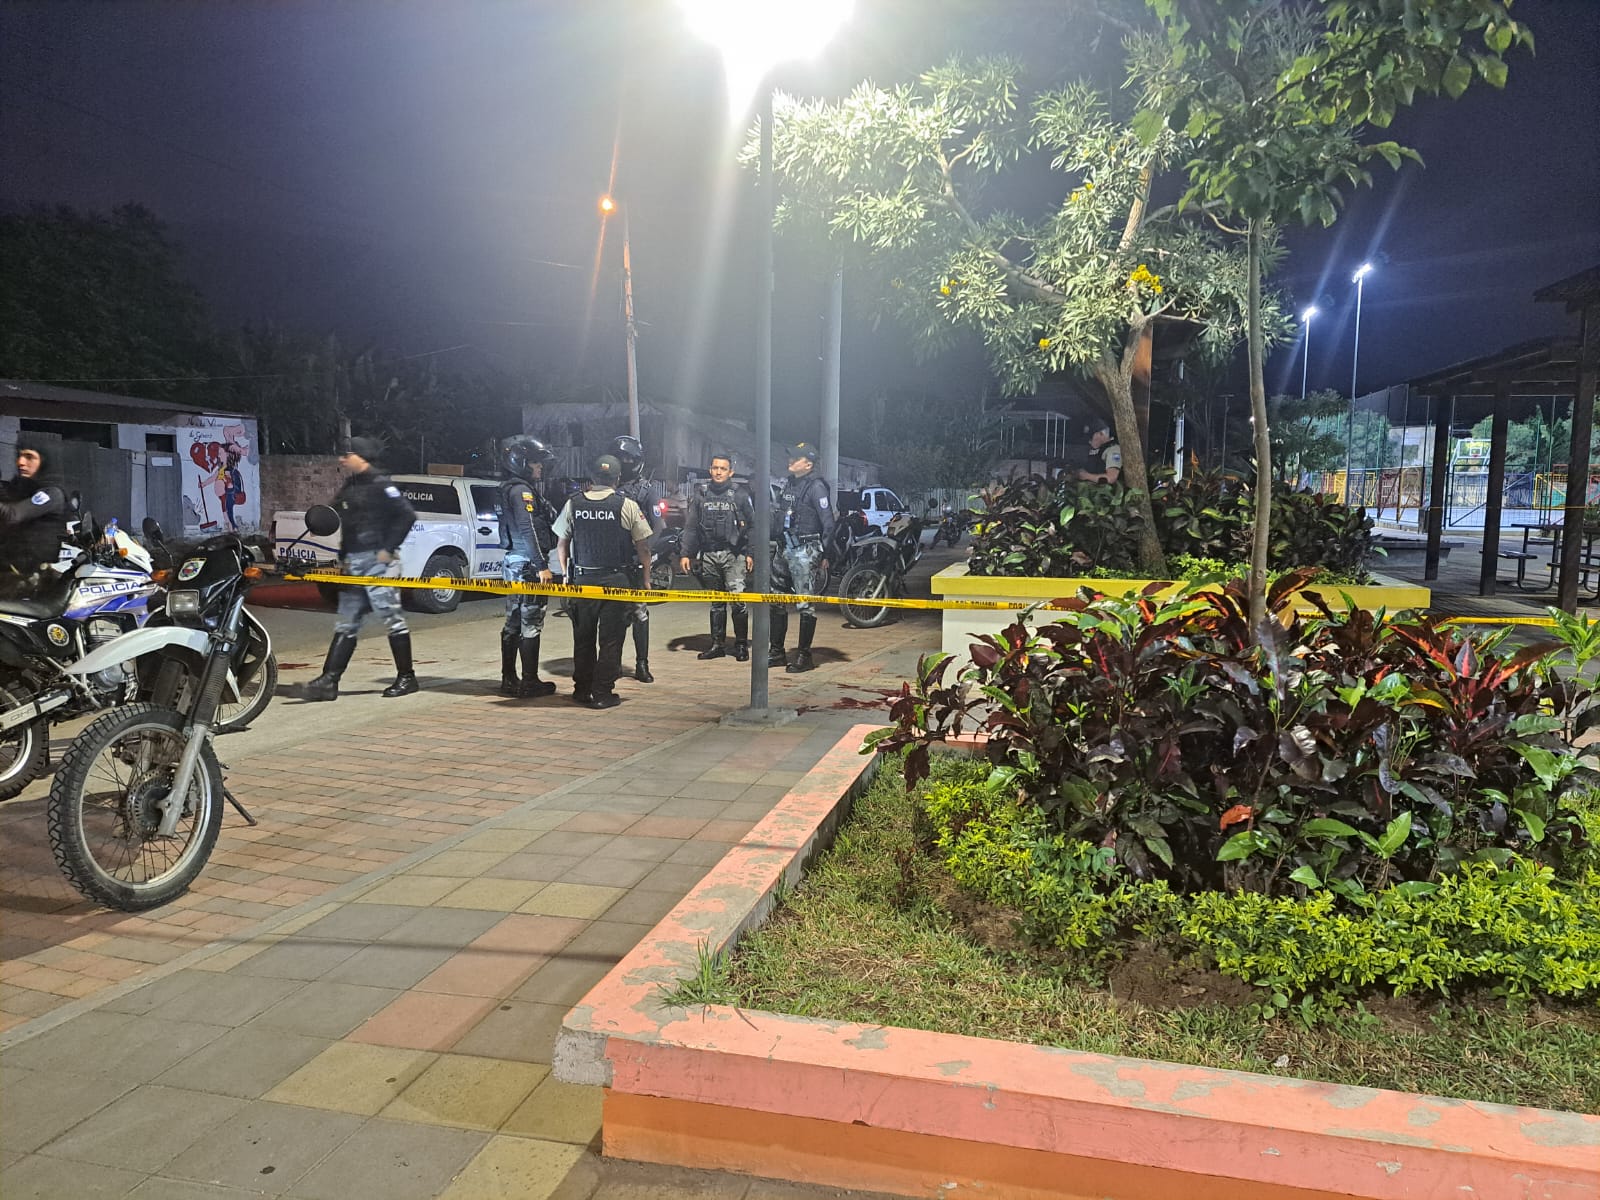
{"type": "Point", "coordinates": [904, 179]}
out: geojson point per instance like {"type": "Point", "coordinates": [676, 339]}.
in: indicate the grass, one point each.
{"type": "Point", "coordinates": [870, 936]}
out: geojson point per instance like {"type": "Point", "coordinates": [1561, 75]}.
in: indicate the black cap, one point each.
{"type": "Point", "coordinates": [803, 450]}
{"type": "Point", "coordinates": [369, 448]}
{"type": "Point", "coordinates": [607, 470]}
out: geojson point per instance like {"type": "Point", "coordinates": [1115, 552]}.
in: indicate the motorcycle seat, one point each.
{"type": "Point", "coordinates": [40, 597]}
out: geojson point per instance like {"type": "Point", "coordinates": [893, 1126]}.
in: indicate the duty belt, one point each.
{"type": "Point", "coordinates": [600, 570]}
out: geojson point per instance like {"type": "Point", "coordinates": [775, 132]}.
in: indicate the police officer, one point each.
{"type": "Point", "coordinates": [601, 535]}
{"type": "Point", "coordinates": [716, 532]}
{"type": "Point", "coordinates": [804, 523]}
{"type": "Point", "coordinates": [645, 494]}
{"type": "Point", "coordinates": [374, 518]}
{"type": "Point", "coordinates": [33, 510]}
{"type": "Point", "coordinates": [1103, 446]}
{"type": "Point", "coordinates": [527, 537]}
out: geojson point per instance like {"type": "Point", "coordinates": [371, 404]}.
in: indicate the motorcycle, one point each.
{"type": "Point", "coordinates": [135, 809]}
{"type": "Point", "coordinates": [952, 525]}
{"type": "Point", "coordinates": [880, 566]}
{"type": "Point", "coordinates": [848, 529]}
{"type": "Point", "coordinates": [52, 619]}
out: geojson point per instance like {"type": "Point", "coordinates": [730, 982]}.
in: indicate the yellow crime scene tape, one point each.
{"type": "Point", "coordinates": [673, 596]}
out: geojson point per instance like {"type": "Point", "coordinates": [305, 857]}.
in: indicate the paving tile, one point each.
{"type": "Point", "coordinates": [641, 849]}
{"type": "Point", "coordinates": [353, 1078]}
{"type": "Point", "coordinates": [530, 933]}
{"type": "Point", "coordinates": [244, 1062]}
{"type": "Point", "coordinates": [145, 1129]}
{"type": "Point", "coordinates": [584, 901]}
{"type": "Point", "coordinates": [264, 1147]}
{"type": "Point", "coordinates": [696, 853]}
{"type": "Point", "coordinates": [410, 889]}
{"type": "Point", "coordinates": [472, 1093]}
{"type": "Point", "coordinates": [691, 802]}
{"type": "Point", "coordinates": [621, 1180]}
{"type": "Point", "coordinates": [542, 867]}
{"type": "Point", "coordinates": [441, 928]}
{"type": "Point", "coordinates": [667, 827]}
{"type": "Point", "coordinates": [563, 841]}
{"type": "Point", "coordinates": [494, 895]}
{"type": "Point", "coordinates": [465, 864]}
{"type": "Point", "coordinates": [387, 965]}
{"type": "Point", "coordinates": [725, 830]}
{"type": "Point", "coordinates": [563, 981]}
{"type": "Point", "coordinates": [517, 1030]}
{"type": "Point", "coordinates": [643, 908]}
{"type": "Point", "coordinates": [116, 1046]}
{"type": "Point", "coordinates": [298, 958]}
{"type": "Point", "coordinates": [608, 872]}
{"type": "Point", "coordinates": [474, 972]}
{"type": "Point", "coordinates": [156, 993]}
{"type": "Point", "coordinates": [39, 1178]}
{"type": "Point", "coordinates": [673, 877]}
{"type": "Point", "coordinates": [423, 1020]}
{"type": "Point", "coordinates": [324, 1009]}
{"type": "Point", "coordinates": [359, 923]}
{"type": "Point", "coordinates": [607, 940]}
{"type": "Point", "coordinates": [496, 841]}
{"type": "Point", "coordinates": [514, 1168]}
{"type": "Point", "coordinates": [600, 822]}
{"type": "Point", "coordinates": [36, 1106]}
{"type": "Point", "coordinates": [390, 1160]}
{"type": "Point", "coordinates": [558, 1112]}
{"type": "Point", "coordinates": [166, 1188]}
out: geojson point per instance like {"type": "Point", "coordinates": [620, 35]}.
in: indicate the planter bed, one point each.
{"type": "Point", "coordinates": [953, 583]}
{"type": "Point", "coordinates": [923, 1113]}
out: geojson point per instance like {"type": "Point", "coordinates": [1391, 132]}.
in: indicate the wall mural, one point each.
{"type": "Point", "coordinates": [221, 478]}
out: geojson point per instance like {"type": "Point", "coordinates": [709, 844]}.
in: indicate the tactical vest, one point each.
{"type": "Point", "coordinates": [799, 516]}
{"type": "Point", "coordinates": [600, 540]}
{"type": "Point", "coordinates": [722, 522]}
{"type": "Point", "coordinates": [525, 520]}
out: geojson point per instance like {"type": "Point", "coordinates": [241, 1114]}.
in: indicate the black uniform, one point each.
{"type": "Point", "coordinates": [601, 551]}
{"type": "Point", "coordinates": [803, 528]}
{"type": "Point", "coordinates": [716, 535]}
{"type": "Point", "coordinates": [373, 515]}
{"type": "Point", "coordinates": [646, 494]}
{"type": "Point", "coordinates": [32, 518]}
{"type": "Point", "coordinates": [527, 537]}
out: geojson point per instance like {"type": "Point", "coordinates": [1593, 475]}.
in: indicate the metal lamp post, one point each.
{"type": "Point", "coordinates": [607, 207]}
{"type": "Point", "coordinates": [1361, 274]}
{"type": "Point", "coordinates": [753, 36]}
{"type": "Point", "coordinates": [1305, 364]}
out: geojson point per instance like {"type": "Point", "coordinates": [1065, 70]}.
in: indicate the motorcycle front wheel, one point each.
{"type": "Point", "coordinates": [104, 810]}
{"type": "Point", "coordinates": [860, 587]}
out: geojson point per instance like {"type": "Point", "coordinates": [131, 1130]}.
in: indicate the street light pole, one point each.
{"type": "Point", "coordinates": [1305, 366]}
{"type": "Point", "coordinates": [761, 615]}
{"type": "Point", "coordinates": [1350, 420]}
{"type": "Point", "coordinates": [607, 207]}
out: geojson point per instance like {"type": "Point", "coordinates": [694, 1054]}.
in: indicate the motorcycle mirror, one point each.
{"type": "Point", "coordinates": [151, 528]}
{"type": "Point", "coordinates": [321, 520]}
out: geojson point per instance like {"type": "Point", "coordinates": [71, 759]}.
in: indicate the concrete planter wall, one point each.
{"type": "Point", "coordinates": [939, 1115]}
{"type": "Point", "coordinates": [959, 626]}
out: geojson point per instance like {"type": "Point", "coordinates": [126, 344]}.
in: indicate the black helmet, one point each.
{"type": "Point", "coordinates": [630, 454]}
{"type": "Point", "coordinates": [518, 454]}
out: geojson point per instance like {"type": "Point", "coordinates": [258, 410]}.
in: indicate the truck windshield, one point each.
{"type": "Point", "coordinates": [431, 497]}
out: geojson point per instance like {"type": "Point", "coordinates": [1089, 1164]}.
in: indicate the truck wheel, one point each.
{"type": "Point", "coordinates": [437, 600]}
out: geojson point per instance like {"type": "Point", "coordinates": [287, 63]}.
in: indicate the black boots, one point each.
{"type": "Point", "coordinates": [719, 634]}
{"type": "Point", "coordinates": [779, 635]}
{"type": "Point", "coordinates": [532, 686]}
{"type": "Point", "coordinates": [326, 685]}
{"type": "Point", "coordinates": [508, 664]}
{"type": "Point", "coordinates": [405, 680]}
{"type": "Point", "coordinates": [741, 637]}
{"type": "Point", "coordinates": [802, 652]}
{"type": "Point", "coordinates": [641, 653]}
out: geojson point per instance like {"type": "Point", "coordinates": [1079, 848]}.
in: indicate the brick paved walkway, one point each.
{"type": "Point", "coordinates": [360, 997]}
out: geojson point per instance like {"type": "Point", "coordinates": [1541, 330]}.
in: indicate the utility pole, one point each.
{"type": "Point", "coordinates": [607, 207]}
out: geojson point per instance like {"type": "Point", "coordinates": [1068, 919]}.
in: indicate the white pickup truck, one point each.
{"type": "Point", "coordinates": [457, 533]}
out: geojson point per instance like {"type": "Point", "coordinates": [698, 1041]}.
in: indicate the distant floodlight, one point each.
{"type": "Point", "coordinates": [1309, 313]}
{"type": "Point", "coordinates": [1362, 272]}
{"type": "Point", "coordinates": [753, 36]}
{"type": "Point", "coordinates": [607, 205]}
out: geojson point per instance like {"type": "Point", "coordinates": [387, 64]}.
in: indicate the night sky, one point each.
{"type": "Point", "coordinates": [425, 175]}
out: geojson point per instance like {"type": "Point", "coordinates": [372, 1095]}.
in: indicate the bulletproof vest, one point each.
{"type": "Point", "coordinates": [524, 520]}
{"type": "Point", "coordinates": [599, 538]}
{"type": "Point", "coordinates": [799, 515]}
{"type": "Point", "coordinates": [721, 517]}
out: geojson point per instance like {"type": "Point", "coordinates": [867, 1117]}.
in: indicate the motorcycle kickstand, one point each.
{"type": "Point", "coordinates": [239, 808]}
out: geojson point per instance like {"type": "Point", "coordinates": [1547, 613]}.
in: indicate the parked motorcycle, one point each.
{"type": "Point", "coordinates": [135, 809]}
{"type": "Point", "coordinates": [951, 526]}
{"type": "Point", "coordinates": [848, 529]}
{"type": "Point", "coordinates": [880, 566]}
{"type": "Point", "coordinates": [55, 618]}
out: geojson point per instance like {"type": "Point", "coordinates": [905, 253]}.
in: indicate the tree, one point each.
{"type": "Point", "coordinates": [1275, 99]}
{"type": "Point", "coordinates": [99, 302]}
{"type": "Point", "coordinates": [899, 177]}
{"type": "Point", "coordinates": [1307, 435]}
{"type": "Point", "coordinates": [930, 442]}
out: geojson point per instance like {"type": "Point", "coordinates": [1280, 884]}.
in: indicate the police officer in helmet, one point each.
{"type": "Point", "coordinates": [803, 526]}
{"type": "Point", "coordinates": [627, 451]}
{"type": "Point", "coordinates": [33, 510]}
{"type": "Point", "coordinates": [600, 534]}
{"type": "Point", "coordinates": [527, 536]}
{"type": "Point", "coordinates": [374, 518]}
{"type": "Point", "coordinates": [716, 534]}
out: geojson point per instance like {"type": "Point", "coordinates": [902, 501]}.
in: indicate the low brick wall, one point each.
{"type": "Point", "coordinates": [297, 481]}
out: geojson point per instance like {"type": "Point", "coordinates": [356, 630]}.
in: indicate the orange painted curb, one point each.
{"type": "Point", "coordinates": [873, 1106]}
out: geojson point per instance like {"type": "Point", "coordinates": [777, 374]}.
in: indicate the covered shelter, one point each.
{"type": "Point", "coordinates": [1499, 381]}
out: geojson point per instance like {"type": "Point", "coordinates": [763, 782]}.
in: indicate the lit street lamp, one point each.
{"type": "Point", "coordinates": [1305, 366]}
{"type": "Point", "coordinates": [753, 36]}
{"type": "Point", "coordinates": [1358, 278]}
{"type": "Point", "coordinates": [607, 207]}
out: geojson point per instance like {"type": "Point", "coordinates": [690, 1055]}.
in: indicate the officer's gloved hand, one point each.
{"type": "Point", "coordinates": [384, 557]}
